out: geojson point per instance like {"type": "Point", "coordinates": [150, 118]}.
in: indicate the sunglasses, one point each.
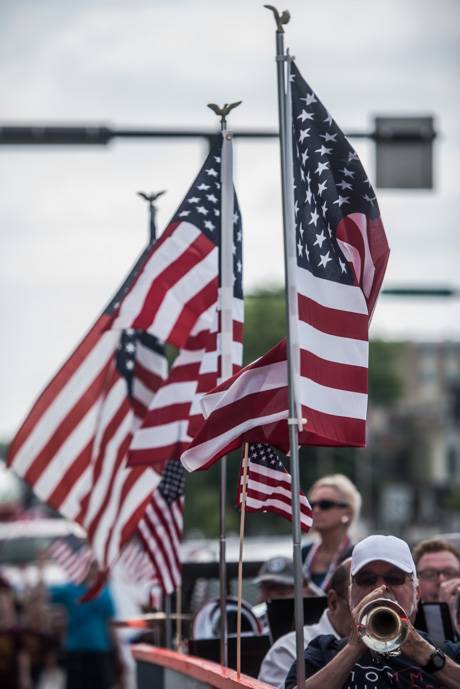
{"type": "Point", "coordinates": [370, 580]}
{"type": "Point", "coordinates": [327, 504]}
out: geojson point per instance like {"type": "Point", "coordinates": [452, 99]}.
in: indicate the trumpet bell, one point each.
{"type": "Point", "coordinates": [383, 626]}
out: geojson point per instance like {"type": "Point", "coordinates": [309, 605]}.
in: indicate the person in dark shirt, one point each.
{"type": "Point", "coordinates": [382, 566]}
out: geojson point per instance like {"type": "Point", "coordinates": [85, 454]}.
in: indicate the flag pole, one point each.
{"type": "Point", "coordinates": [151, 198]}
{"type": "Point", "coordinates": [226, 325]}
{"type": "Point", "coordinates": [294, 420]}
{"type": "Point", "coordinates": [240, 560]}
{"type": "Point", "coordinates": [178, 619]}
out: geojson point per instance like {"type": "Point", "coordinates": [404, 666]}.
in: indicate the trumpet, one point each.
{"type": "Point", "coordinates": [383, 626]}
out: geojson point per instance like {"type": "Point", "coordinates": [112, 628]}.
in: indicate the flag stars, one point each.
{"type": "Point", "coordinates": [299, 247]}
{"type": "Point", "coordinates": [328, 120]}
{"type": "Point", "coordinates": [212, 198]}
{"type": "Point", "coordinates": [304, 134]}
{"type": "Point", "coordinates": [341, 200]}
{"type": "Point", "coordinates": [322, 167]}
{"type": "Point", "coordinates": [202, 210]}
{"type": "Point", "coordinates": [352, 155]}
{"type": "Point", "coordinates": [304, 115]}
{"type": "Point", "coordinates": [324, 259]}
{"type": "Point", "coordinates": [203, 187]}
{"type": "Point", "coordinates": [324, 209]}
{"type": "Point", "coordinates": [209, 225]}
{"type": "Point", "coordinates": [314, 217]}
{"type": "Point", "coordinates": [193, 199]}
{"type": "Point", "coordinates": [322, 186]}
{"type": "Point", "coordinates": [305, 156]}
{"type": "Point", "coordinates": [320, 239]}
{"type": "Point", "coordinates": [369, 199]}
{"type": "Point", "coordinates": [311, 98]}
{"type": "Point", "coordinates": [344, 185]}
{"type": "Point", "coordinates": [211, 172]}
{"type": "Point", "coordinates": [347, 172]}
{"type": "Point", "coordinates": [323, 151]}
{"type": "Point", "coordinates": [343, 266]}
{"type": "Point", "coordinates": [216, 212]}
{"type": "Point", "coordinates": [238, 236]}
{"type": "Point", "coordinates": [239, 266]}
{"type": "Point", "coordinates": [183, 214]}
{"type": "Point", "coordinates": [236, 217]}
{"type": "Point", "coordinates": [329, 137]}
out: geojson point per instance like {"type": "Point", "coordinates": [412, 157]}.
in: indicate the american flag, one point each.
{"type": "Point", "coordinates": [73, 556]}
{"type": "Point", "coordinates": [268, 486]}
{"type": "Point", "coordinates": [134, 564]}
{"type": "Point", "coordinates": [72, 447]}
{"type": "Point", "coordinates": [174, 412]}
{"type": "Point", "coordinates": [160, 529]}
{"type": "Point", "coordinates": [341, 256]}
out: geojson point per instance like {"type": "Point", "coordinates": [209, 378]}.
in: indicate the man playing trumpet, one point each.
{"type": "Point", "coordinates": [383, 649]}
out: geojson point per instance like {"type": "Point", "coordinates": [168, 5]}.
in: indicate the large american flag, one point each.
{"type": "Point", "coordinates": [160, 529]}
{"type": "Point", "coordinates": [341, 256]}
{"type": "Point", "coordinates": [174, 412]}
{"type": "Point", "coordinates": [268, 486]}
{"type": "Point", "coordinates": [72, 447]}
{"type": "Point", "coordinates": [73, 556]}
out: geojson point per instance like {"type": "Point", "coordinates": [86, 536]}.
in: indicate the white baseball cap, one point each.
{"type": "Point", "coordinates": [386, 548]}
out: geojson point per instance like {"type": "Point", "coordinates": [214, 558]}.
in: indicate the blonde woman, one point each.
{"type": "Point", "coordinates": [335, 503]}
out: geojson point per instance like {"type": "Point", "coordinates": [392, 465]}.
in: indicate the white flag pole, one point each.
{"type": "Point", "coordinates": [225, 339]}
{"type": "Point", "coordinates": [294, 420]}
{"type": "Point", "coordinates": [244, 491]}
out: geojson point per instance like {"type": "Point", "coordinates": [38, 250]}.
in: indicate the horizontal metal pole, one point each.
{"type": "Point", "coordinates": [101, 135]}
{"type": "Point", "coordinates": [387, 291]}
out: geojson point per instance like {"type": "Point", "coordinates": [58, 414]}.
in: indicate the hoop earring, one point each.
{"type": "Point", "coordinates": [345, 519]}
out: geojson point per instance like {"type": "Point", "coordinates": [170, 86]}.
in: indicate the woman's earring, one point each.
{"type": "Point", "coordinates": [345, 519]}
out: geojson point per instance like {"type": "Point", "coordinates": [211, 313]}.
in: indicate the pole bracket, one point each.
{"type": "Point", "coordinates": [294, 421]}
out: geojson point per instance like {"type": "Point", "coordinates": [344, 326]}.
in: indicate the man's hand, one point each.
{"type": "Point", "coordinates": [449, 592]}
{"type": "Point", "coordinates": [355, 639]}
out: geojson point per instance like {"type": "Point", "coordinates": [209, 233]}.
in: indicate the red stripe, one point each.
{"type": "Point", "coordinates": [151, 379]}
{"type": "Point", "coordinates": [66, 427]}
{"type": "Point", "coordinates": [190, 257]}
{"type": "Point", "coordinates": [71, 475]}
{"type": "Point", "coordinates": [333, 321]}
{"type": "Point", "coordinates": [191, 312]}
{"type": "Point", "coordinates": [329, 430]}
{"type": "Point", "coordinates": [238, 331]}
{"type": "Point", "coordinates": [333, 375]}
{"type": "Point", "coordinates": [56, 385]}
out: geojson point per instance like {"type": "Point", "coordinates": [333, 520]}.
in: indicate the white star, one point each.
{"type": "Point", "coordinates": [347, 173]}
{"type": "Point", "coordinates": [314, 217]}
{"type": "Point", "coordinates": [183, 214]}
{"type": "Point", "coordinates": [202, 210]}
{"type": "Point", "coordinates": [217, 159]}
{"type": "Point", "coordinates": [344, 185]}
{"type": "Point", "coordinates": [304, 156]}
{"type": "Point", "coordinates": [216, 212]}
{"type": "Point", "coordinates": [309, 195]}
{"type": "Point", "coordinates": [369, 199]}
{"type": "Point", "coordinates": [238, 236]}
{"type": "Point", "coordinates": [341, 200]}
{"type": "Point", "coordinates": [236, 217]}
{"type": "Point", "coordinates": [302, 175]}
{"type": "Point", "coordinates": [239, 266]}
{"type": "Point", "coordinates": [307, 253]}
{"type": "Point", "coordinates": [324, 209]}
{"type": "Point", "coordinates": [212, 198]}
{"type": "Point", "coordinates": [203, 187]}
{"type": "Point", "coordinates": [130, 347]}
{"type": "Point", "coordinates": [343, 266]}
{"type": "Point", "coordinates": [323, 150]}
{"type": "Point", "coordinates": [209, 225]}
{"type": "Point", "coordinates": [304, 134]}
{"type": "Point", "coordinates": [304, 115]}
{"type": "Point", "coordinates": [211, 172]}
{"type": "Point", "coordinates": [130, 364]}
{"type": "Point", "coordinates": [299, 247]}
{"type": "Point", "coordinates": [328, 137]}
{"type": "Point", "coordinates": [324, 259]}
{"type": "Point", "coordinates": [193, 199]}
{"type": "Point", "coordinates": [308, 176]}
{"type": "Point", "coordinates": [322, 186]}
{"type": "Point", "coordinates": [329, 119]}
{"type": "Point", "coordinates": [352, 155]}
{"type": "Point", "coordinates": [320, 238]}
{"type": "Point", "coordinates": [301, 230]}
{"type": "Point", "coordinates": [296, 207]}
{"type": "Point", "coordinates": [321, 167]}
{"type": "Point", "coordinates": [217, 185]}
{"type": "Point", "coordinates": [311, 98]}
{"type": "Point", "coordinates": [329, 229]}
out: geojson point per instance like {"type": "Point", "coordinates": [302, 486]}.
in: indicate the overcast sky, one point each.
{"type": "Point", "coordinates": [70, 221]}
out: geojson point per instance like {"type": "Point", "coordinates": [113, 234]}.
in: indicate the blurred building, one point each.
{"type": "Point", "coordinates": [416, 443]}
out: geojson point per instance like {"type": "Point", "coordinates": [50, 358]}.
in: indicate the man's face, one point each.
{"type": "Point", "coordinates": [399, 584]}
{"type": "Point", "coordinates": [433, 569]}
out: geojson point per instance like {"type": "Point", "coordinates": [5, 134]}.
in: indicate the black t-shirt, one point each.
{"type": "Point", "coordinates": [380, 672]}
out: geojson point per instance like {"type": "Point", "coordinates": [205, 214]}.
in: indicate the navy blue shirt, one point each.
{"type": "Point", "coordinates": [371, 672]}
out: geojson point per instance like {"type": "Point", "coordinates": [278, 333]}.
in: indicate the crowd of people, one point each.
{"type": "Point", "coordinates": [354, 575]}
{"type": "Point", "coordinates": [49, 639]}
